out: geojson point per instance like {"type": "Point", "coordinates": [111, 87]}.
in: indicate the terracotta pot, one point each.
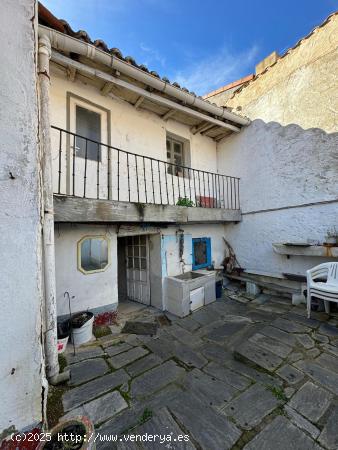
{"type": "Point", "coordinates": [77, 433]}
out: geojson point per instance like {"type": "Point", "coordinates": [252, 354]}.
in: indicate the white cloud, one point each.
{"type": "Point", "coordinates": [216, 70]}
{"type": "Point", "coordinates": [151, 56]}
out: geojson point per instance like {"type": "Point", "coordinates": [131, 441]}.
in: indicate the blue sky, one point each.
{"type": "Point", "coordinates": [201, 44]}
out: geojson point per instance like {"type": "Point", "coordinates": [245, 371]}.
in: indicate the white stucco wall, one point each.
{"type": "Point", "coordinates": [171, 264]}
{"type": "Point", "coordinates": [287, 156]}
{"type": "Point", "coordinates": [99, 291]}
{"type": "Point", "coordinates": [132, 130]}
{"type": "Point", "coordinates": [21, 361]}
{"type": "Point", "coordinates": [92, 290]}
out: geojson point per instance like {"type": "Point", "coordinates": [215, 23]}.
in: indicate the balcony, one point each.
{"type": "Point", "coordinates": [97, 182]}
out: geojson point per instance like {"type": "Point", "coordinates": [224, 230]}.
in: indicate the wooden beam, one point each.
{"type": "Point", "coordinates": [168, 114]}
{"type": "Point", "coordinates": [71, 73]}
{"type": "Point", "coordinates": [85, 210]}
{"type": "Point", "coordinates": [201, 127]}
{"type": "Point", "coordinates": [219, 137]}
{"type": "Point", "coordinates": [61, 59]}
{"type": "Point", "coordinates": [212, 128]}
{"type": "Point", "coordinates": [138, 102]}
{"type": "Point", "coordinates": [107, 88]}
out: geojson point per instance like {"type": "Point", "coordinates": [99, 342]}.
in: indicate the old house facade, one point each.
{"type": "Point", "coordinates": [142, 179]}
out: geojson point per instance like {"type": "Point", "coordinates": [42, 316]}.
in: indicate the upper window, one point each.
{"type": "Point", "coordinates": [88, 125]}
{"type": "Point", "coordinates": [201, 253]}
{"type": "Point", "coordinates": [93, 254]}
{"type": "Point", "coordinates": [175, 155]}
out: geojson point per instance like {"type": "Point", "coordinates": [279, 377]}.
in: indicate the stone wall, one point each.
{"type": "Point", "coordinates": [287, 158]}
{"type": "Point", "coordinates": [21, 368]}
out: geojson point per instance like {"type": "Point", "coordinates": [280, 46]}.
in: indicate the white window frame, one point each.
{"type": "Point", "coordinates": [173, 140]}
{"type": "Point", "coordinates": [79, 244]}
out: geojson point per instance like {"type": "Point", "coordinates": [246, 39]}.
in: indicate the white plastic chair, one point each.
{"type": "Point", "coordinates": [326, 290]}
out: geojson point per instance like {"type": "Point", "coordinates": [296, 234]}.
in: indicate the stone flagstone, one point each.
{"type": "Point", "coordinates": [305, 341]}
{"type": "Point", "coordinates": [156, 379]}
{"type": "Point", "coordinates": [301, 422]}
{"type": "Point", "coordinates": [331, 349]}
{"type": "Point", "coordinates": [274, 346]}
{"type": "Point", "coordinates": [279, 335]}
{"type": "Point", "coordinates": [290, 374]}
{"type": "Point", "coordinates": [189, 356]}
{"type": "Point", "coordinates": [311, 401]}
{"type": "Point", "coordinates": [143, 364]}
{"type": "Point", "coordinates": [224, 374]}
{"type": "Point", "coordinates": [82, 354]}
{"type": "Point", "coordinates": [117, 348]}
{"type": "Point", "coordinates": [319, 374]}
{"type": "Point", "coordinates": [258, 356]}
{"type": "Point", "coordinates": [222, 333]}
{"type": "Point", "coordinates": [290, 327]}
{"type": "Point", "coordinates": [329, 435]}
{"type": "Point", "coordinates": [189, 324]}
{"type": "Point", "coordinates": [162, 423]}
{"type": "Point", "coordinates": [330, 362]}
{"type": "Point", "coordinates": [87, 370]}
{"type": "Point", "coordinates": [100, 409]}
{"type": "Point", "coordinates": [249, 408]}
{"type": "Point", "coordinates": [211, 430]}
{"type": "Point", "coordinates": [214, 392]}
{"type": "Point", "coordinates": [328, 330]}
{"type": "Point", "coordinates": [281, 434]}
{"type": "Point", "coordinates": [93, 389]}
{"type": "Point", "coordinates": [122, 359]}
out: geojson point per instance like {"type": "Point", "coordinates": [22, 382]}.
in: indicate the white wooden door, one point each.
{"type": "Point", "coordinates": [88, 161]}
{"type": "Point", "coordinates": [138, 285]}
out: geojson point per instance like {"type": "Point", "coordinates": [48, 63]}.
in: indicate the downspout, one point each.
{"type": "Point", "coordinates": [52, 363]}
{"type": "Point", "coordinates": [65, 43]}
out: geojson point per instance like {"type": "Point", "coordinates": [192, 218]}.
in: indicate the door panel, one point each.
{"type": "Point", "coordinates": [88, 176]}
{"type": "Point", "coordinates": [138, 284]}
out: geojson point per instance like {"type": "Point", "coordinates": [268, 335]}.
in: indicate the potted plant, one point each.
{"type": "Point", "coordinates": [75, 434]}
{"type": "Point", "coordinates": [184, 201]}
{"type": "Point", "coordinates": [332, 237]}
{"type": "Point", "coordinates": [63, 332]}
{"type": "Point", "coordinates": [82, 327]}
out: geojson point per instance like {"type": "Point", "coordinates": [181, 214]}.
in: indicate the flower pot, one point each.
{"type": "Point", "coordinates": [82, 328]}
{"type": "Point", "coordinates": [77, 434]}
{"type": "Point", "coordinates": [62, 344]}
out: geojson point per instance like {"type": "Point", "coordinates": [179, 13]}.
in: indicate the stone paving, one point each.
{"type": "Point", "coordinates": [237, 374]}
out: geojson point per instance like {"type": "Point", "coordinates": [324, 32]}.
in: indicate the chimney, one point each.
{"type": "Point", "coordinates": [267, 62]}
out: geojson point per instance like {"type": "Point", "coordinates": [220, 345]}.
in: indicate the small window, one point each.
{"type": "Point", "coordinates": [88, 125]}
{"type": "Point", "coordinates": [93, 254]}
{"type": "Point", "coordinates": [175, 155]}
{"type": "Point", "coordinates": [201, 253]}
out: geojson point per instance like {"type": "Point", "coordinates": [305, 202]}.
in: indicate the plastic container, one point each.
{"type": "Point", "coordinates": [62, 344]}
{"type": "Point", "coordinates": [63, 331]}
{"type": "Point", "coordinates": [219, 288]}
{"type": "Point", "coordinates": [83, 333]}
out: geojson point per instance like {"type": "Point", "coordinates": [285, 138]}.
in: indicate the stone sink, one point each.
{"type": "Point", "coordinates": [189, 291]}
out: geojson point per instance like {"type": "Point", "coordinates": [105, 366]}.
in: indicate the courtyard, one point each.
{"type": "Point", "coordinates": [239, 373]}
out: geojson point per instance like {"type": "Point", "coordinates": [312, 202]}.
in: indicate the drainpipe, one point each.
{"type": "Point", "coordinates": [52, 364]}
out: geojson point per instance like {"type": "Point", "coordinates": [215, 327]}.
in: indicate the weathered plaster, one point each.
{"type": "Point", "coordinates": [93, 290]}
{"type": "Point", "coordinates": [22, 367]}
{"type": "Point", "coordinates": [133, 130]}
{"type": "Point", "coordinates": [288, 155]}
{"type": "Point", "coordinates": [99, 291]}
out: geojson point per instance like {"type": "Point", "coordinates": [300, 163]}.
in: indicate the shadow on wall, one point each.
{"type": "Point", "coordinates": [288, 188]}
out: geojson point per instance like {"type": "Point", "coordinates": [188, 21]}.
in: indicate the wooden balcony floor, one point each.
{"type": "Point", "coordinates": [84, 210]}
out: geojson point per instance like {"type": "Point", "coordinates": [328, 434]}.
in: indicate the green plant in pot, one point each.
{"type": "Point", "coordinates": [184, 201]}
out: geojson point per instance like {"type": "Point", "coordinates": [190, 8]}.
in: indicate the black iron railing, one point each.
{"type": "Point", "coordinates": [91, 169]}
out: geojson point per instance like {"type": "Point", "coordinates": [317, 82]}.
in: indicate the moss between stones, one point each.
{"type": "Point", "coordinates": [54, 404]}
{"type": "Point", "coordinates": [101, 330]}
